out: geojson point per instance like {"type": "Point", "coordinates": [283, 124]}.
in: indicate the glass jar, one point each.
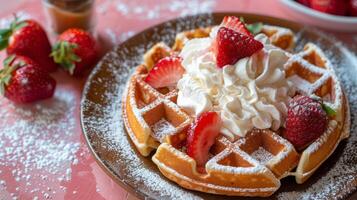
{"type": "Point", "coordinates": [65, 14]}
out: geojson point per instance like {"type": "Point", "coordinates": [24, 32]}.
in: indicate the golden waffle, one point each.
{"type": "Point", "coordinates": [279, 36]}
{"type": "Point", "coordinates": [147, 112]}
{"type": "Point", "coordinates": [312, 74]}
{"type": "Point", "coordinates": [249, 166]}
{"type": "Point", "coordinates": [158, 51]}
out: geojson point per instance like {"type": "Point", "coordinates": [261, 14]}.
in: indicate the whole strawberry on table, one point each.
{"type": "Point", "coordinates": [75, 51]}
{"type": "Point", "coordinates": [22, 80]}
{"type": "Point", "coordinates": [28, 38]}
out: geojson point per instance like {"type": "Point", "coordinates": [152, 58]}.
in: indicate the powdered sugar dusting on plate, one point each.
{"type": "Point", "coordinates": [102, 120]}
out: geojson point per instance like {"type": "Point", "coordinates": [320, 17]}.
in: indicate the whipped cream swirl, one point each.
{"type": "Point", "coordinates": [251, 93]}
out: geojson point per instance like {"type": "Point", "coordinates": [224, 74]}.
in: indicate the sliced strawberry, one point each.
{"type": "Point", "coordinates": [167, 72]}
{"type": "Point", "coordinates": [230, 46]}
{"type": "Point", "coordinates": [235, 24]}
{"type": "Point", "coordinates": [201, 136]}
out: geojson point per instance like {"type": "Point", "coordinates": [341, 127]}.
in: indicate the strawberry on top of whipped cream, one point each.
{"type": "Point", "coordinates": [253, 92]}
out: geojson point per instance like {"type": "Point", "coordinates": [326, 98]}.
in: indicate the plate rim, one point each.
{"type": "Point", "coordinates": [107, 169]}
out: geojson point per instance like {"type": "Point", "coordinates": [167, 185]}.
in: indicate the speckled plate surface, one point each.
{"type": "Point", "coordinates": [103, 126]}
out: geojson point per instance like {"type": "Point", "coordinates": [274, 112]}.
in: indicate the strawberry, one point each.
{"type": "Point", "coordinates": [352, 7]}
{"type": "Point", "coordinates": [306, 121]}
{"type": "Point", "coordinates": [335, 7]}
{"type": "Point", "coordinates": [28, 38]}
{"type": "Point", "coordinates": [202, 135]}
{"type": "Point", "coordinates": [22, 80]}
{"type": "Point", "coordinates": [305, 2]}
{"type": "Point", "coordinates": [75, 51]}
{"type": "Point", "coordinates": [230, 46]}
{"type": "Point", "coordinates": [236, 25]}
{"type": "Point", "coordinates": [166, 72]}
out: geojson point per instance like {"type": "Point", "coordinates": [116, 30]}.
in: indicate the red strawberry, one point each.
{"type": "Point", "coordinates": [27, 38]}
{"type": "Point", "coordinates": [166, 72]}
{"type": "Point", "coordinates": [235, 24]}
{"type": "Point", "coordinates": [335, 7]}
{"type": "Point", "coordinates": [75, 51]}
{"type": "Point", "coordinates": [22, 80]}
{"type": "Point", "coordinates": [306, 121]}
{"type": "Point", "coordinates": [201, 136]}
{"type": "Point", "coordinates": [305, 2]}
{"type": "Point", "coordinates": [230, 46]}
{"type": "Point", "coordinates": [352, 7]}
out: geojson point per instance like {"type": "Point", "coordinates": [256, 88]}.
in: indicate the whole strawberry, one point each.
{"type": "Point", "coordinates": [306, 121]}
{"type": "Point", "coordinates": [305, 2]}
{"type": "Point", "coordinates": [28, 38]}
{"type": "Point", "coordinates": [335, 7]}
{"type": "Point", "coordinates": [22, 80]}
{"type": "Point", "coordinates": [75, 51]}
{"type": "Point", "coordinates": [352, 7]}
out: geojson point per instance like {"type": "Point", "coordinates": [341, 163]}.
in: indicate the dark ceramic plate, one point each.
{"type": "Point", "coordinates": [103, 126]}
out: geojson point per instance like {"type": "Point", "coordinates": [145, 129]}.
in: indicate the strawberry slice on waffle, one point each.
{"type": "Point", "coordinates": [234, 42]}
{"type": "Point", "coordinates": [166, 73]}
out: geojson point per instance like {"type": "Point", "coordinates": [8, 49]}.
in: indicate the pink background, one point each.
{"type": "Point", "coordinates": [28, 171]}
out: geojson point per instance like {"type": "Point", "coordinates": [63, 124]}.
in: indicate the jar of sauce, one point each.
{"type": "Point", "coordinates": [65, 14]}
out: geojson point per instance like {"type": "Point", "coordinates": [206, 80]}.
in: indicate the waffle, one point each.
{"type": "Point", "coordinates": [312, 74]}
{"type": "Point", "coordinates": [249, 166]}
{"type": "Point", "coordinates": [279, 36]}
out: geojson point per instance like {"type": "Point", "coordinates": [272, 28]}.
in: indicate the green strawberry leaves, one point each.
{"type": "Point", "coordinates": [63, 54]}
{"type": "Point", "coordinates": [329, 111]}
{"type": "Point", "coordinates": [254, 28]}
{"type": "Point", "coordinates": [6, 73]}
{"type": "Point", "coordinates": [6, 33]}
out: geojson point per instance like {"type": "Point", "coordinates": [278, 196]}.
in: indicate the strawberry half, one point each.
{"type": "Point", "coordinates": [202, 135]}
{"type": "Point", "coordinates": [167, 72]}
{"type": "Point", "coordinates": [236, 25]}
{"type": "Point", "coordinates": [230, 46]}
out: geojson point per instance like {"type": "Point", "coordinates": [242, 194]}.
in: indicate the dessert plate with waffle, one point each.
{"type": "Point", "coordinates": [224, 105]}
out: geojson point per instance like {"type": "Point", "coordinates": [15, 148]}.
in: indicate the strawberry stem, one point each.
{"type": "Point", "coordinates": [330, 111]}
{"type": "Point", "coordinates": [5, 73]}
{"type": "Point", "coordinates": [6, 33]}
{"type": "Point", "coordinates": [254, 28]}
{"type": "Point", "coordinates": [63, 54]}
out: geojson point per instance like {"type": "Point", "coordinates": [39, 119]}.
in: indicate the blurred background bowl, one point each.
{"type": "Point", "coordinates": [309, 16]}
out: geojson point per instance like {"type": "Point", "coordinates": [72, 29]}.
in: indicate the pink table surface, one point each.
{"type": "Point", "coordinates": [43, 154]}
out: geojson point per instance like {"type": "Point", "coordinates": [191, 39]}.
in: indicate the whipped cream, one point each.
{"type": "Point", "coordinates": [251, 93]}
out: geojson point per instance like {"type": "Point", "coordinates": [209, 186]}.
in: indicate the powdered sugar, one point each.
{"type": "Point", "coordinates": [105, 124]}
{"type": "Point", "coordinates": [262, 155]}
{"type": "Point", "coordinates": [43, 130]}
{"type": "Point", "coordinates": [165, 8]}
{"type": "Point", "coordinates": [161, 129]}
